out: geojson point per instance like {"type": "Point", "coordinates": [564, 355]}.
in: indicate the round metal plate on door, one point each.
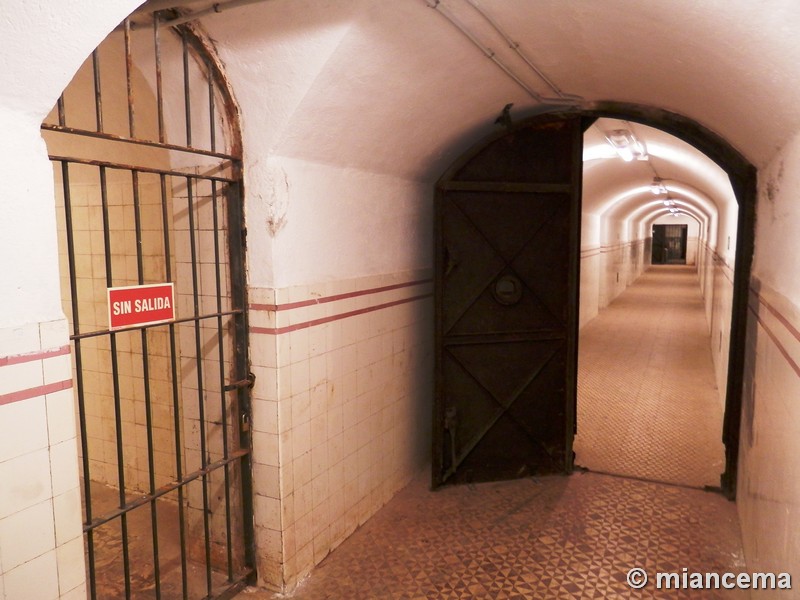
{"type": "Point", "coordinates": [507, 290]}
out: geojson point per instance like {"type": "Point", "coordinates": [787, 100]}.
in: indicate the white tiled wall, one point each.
{"type": "Point", "coordinates": [41, 539]}
{"type": "Point", "coordinates": [341, 411]}
{"type": "Point", "coordinates": [606, 271]}
{"type": "Point", "coordinates": [716, 284]}
{"type": "Point", "coordinates": [769, 481]}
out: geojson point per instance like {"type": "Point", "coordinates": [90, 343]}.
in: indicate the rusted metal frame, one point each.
{"type": "Point", "coordinates": [744, 183]}
{"type": "Point", "coordinates": [148, 401]}
{"type": "Point", "coordinates": [176, 407]}
{"type": "Point", "coordinates": [141, 169]}
{"type": "Point", "coordinates": [202, 46]}
{"type": "Point", "coordinates": [79, 384]}
{"type": "Point", "coordinates": [187, 101]}
{"type": "Point", "coordinates": [222, 397]}
{"type": "Point", "coordinates": [98, 95]}
{"type": "Point", "coordinates": [163, 491]}
{"type": "Point", "coordinates": [195, 38]}
{"type": "Point", "coordinates": [439, 266]}
{"type": "Point", "coordinates": [159, 80]}
{"type": "Point", "coordinates": [220, 331]}
{"type": "Point", "coordinates": [211, 107]}
{"type": "Point", "coordinates": [200, 386]}
{"type": "Point", "coordinates": [116, 387]}
{"type": "Point", "coordinates": [573, 293]}
{"type": "Point", "coordinates": [137, 141]}
{"type": "Point", "coordinates": [241, 361]}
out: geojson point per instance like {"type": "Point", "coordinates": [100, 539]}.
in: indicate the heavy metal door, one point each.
{"type": "Point", "coordinates": [508, 231]}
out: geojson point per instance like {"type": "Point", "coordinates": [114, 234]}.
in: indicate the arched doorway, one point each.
{"type": "Point", "coordinates": [146, 152]}
{"type": "Point", "coordinates": [474, 439]}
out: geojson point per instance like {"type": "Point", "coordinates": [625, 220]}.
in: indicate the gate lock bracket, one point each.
{"type": "Point", "coordinates": [248, 383]}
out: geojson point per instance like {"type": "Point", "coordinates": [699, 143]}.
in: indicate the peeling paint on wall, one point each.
{"type": "Point", "coordinates": [278, 200]}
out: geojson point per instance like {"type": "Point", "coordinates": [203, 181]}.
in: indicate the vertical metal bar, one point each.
{"type": "Point", "coordinates": [98, 96]}
{"type": "Point", "coordinates": [220, 331]}
{"type": "Point", "coordinates": [62, 114]}
{"type": "Point", "coordinates": [222, 394]}
{"type": "Point", "coordinates": [159, 78]}
{"type": "Point", "coordinates": [148, 405]}
{"type": "Point", "coordinates": [79, 384]}
{"type": "Point", "coordinates": [187, 102]}
{"type": "Point", "coordinates": [117, 394]}
{"type": "Point", "coordinates": [211, 113]}
{"type": "Point", "coordinates": [128, 70]}
{"type": "Point", "coordinates": [238, 295]}
{"type": "Point", "coordinates": [176, 408]}
{"type": "Point", "coordinates": [200, 388]}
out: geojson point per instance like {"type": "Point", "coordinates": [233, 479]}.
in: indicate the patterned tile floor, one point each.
{"type": "Point", "coordinates": [552, 537]}
{"type": "Point", "coordinates": [577, 536]}
{"type": "Point", "coordinates": [648, 404]}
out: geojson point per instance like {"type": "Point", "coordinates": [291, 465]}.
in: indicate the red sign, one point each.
{"type": "Point", "coordinates": [140, 305]}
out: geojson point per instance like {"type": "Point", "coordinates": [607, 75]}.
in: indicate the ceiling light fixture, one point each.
{"type": "Point", "coordinates": [669, 202]}
{"type": "Point", "coordinates": [626, 144]}
{"type": "Point", "coordinates": [658, 187]}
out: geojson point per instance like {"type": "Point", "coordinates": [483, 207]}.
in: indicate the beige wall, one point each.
{"type": "Point", "coordinates": [769, 483]}
{"type": "Point", "coordinates": [341, 410]}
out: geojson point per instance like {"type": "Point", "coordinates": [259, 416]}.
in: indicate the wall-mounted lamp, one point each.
{"type": "Point", "coordinates": [626, 145]}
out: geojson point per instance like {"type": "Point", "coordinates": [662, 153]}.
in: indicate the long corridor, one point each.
{"type": "Point", "coordinates": [648, 404]}
{"type": "Point", "coordinates": [648, 409]}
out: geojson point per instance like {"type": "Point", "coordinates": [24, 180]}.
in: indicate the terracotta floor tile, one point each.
{"type": "Point", "coordinates": [648, 404]}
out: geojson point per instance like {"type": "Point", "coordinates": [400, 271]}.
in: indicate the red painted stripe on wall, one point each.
{"type": "Point", "coordinates": [345, 296]}
{"type": "Point", "coordinates": [777, 343]}
{"type": "Point", "coordinates": [783, 320]}
{"type": "Point", "coordinates": [23, 358]}
{"type": "Point", "coordinates": [621, 245]}
{"type": "Point", "coordinates": [35, 392]}
{"type": "Point", "coordinates": [323, 320]}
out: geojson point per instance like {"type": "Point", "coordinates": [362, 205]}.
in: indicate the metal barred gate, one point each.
{"type": "Point", "coordinates": [147, 164]}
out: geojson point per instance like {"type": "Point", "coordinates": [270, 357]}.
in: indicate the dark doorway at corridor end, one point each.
{"type": "Point", "coordinates": [669, 244]}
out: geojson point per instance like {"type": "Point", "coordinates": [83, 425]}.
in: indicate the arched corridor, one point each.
{"type": "Point", "coordinates": [648, 403]}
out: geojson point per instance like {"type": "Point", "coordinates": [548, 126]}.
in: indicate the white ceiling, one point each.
{"type": "Point", "coordinates": [614, 187]}
{"type": "Point", "coordinates": [393, 87]}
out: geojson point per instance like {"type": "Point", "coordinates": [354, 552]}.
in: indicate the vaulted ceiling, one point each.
{"type": "Point", "coordinates": [395, 87]}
